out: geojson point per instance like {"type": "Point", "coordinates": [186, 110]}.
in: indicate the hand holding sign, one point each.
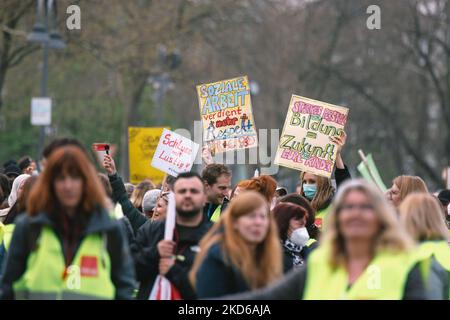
{"type": "Point", "coordinates": [109, 165]}
{"type": "Point", "coordinates": [339, 141]}
{"type": "Point", "coordinates": [165, 264]}
{"type": "Point", "coordinates": [101, 149]}
{"type": "Point", "coordinates": [162, 288]}
{"type": "Point", "coordinates": [165, 248]}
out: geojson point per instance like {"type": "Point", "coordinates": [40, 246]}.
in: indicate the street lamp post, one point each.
{"type": "Point", "coordinates": [162, 81]}
{"type": "Point", "coordinates": [45, 33]}
{"type": "Point", "coordinates": [161, 84]}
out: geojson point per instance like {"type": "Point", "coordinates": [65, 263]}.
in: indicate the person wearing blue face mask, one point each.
{"type": "Point", "coordinates": [319, 190]}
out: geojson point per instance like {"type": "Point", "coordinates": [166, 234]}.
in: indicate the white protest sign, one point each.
{"type": "Point", "coordinates": [41, 111]}
{"type": "Point", "coordinates": [175, 154]}
{"type": "Point", "coordinates": [162, 289]}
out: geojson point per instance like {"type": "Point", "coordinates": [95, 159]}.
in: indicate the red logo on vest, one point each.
{"type": "Point", "coordinates": [318, 222]}
{"type": "Point", "coordinates": [89, 266]}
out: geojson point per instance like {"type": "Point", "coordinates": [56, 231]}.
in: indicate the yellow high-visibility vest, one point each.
{"type": "Point", "coordinates": [385, 277]}
{"type": "Point", "coordinates": [46, 276]}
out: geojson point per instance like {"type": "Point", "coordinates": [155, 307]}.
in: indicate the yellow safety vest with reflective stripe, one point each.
{"type": "Point", "coordinates": [2, 231]}
{"type": "Point", "coordinates": [310, 242]}
{"type": "Point", "coordinates": [385, 278]}
{"type": "Point", "coordinates": [7, 235]}
{"type": "Point", "coordinates": [46, 277]}
{"type": "Point", "coordinates": [440, 250]}
{"type": "Point", "coordinates": [216, 214]}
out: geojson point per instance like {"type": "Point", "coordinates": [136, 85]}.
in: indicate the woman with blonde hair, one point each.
{"type": "Point", "coordinates": [139, 191]}
{"type": "Point", "coordinates": [421, 215]}
{"type": "Point", "coordinates": [404, 185]}
{"type": "Point", "coordinates": [241, 252]}
{"type": "Point", "coordinates": [319, 190]}
{"type": "Point", "coordinates": [364, 254]}
{"type": "Point", "coordinates": [161, 207]}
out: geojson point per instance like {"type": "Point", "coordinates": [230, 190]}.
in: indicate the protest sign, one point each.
{"type": "Point", "coordinates": [142, 143]}
{"type": "Point", "coordinates": [175, 154]}
{"type": "Point", "coordinates": [162, 288]}
{"type": "Point", "coordinates": [101, 149]}
{"type": "Point", "coordinates": [369, 171]}
{"type": "Point", "coordinates": [227, 117]}
{"type": "Point", "coordinates": [305, 142]}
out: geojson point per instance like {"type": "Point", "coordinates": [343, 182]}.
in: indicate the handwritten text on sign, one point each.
{"type": "Point", "coordinates": [305, 142]}
{"type": "Point", "coordinates": [175, 154]}
{"type": "Point", "coordinates": [227, 117]}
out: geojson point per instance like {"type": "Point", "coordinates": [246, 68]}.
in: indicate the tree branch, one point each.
{"type": "Point", "coordinates": [359, 89]}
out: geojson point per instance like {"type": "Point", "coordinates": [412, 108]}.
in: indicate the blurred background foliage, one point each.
{"type": "Point", "coordinates": [136, 63]}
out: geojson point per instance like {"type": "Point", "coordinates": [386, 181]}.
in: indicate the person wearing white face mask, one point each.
{"type": "Point", "coordinates": [291, 221]}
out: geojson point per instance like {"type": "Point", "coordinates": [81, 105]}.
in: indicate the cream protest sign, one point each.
{"type": "Point", "coordinates": [227, 117]}
{"type": "Point", "coordinates": [305, 142]}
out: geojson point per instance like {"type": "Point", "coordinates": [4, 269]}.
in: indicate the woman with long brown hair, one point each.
{"type": "Point", "coordinates": [240, 252]}
{"type": "Point", "coordinates": [68, 247]}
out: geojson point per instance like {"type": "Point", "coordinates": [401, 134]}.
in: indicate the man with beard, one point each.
{"type": "Point", "coordinates": [173, 259]}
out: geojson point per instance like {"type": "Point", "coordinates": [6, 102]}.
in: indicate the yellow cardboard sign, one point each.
{"type": "Point", "coordinates": [305, 142]}
{"type": "Point", "coordinates": [226, 113]}
{"type": "Point", "coordinates": [142, 143]}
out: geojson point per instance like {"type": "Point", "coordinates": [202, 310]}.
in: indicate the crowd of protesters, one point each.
{"type": "Point", "coordinates": [70, 231]}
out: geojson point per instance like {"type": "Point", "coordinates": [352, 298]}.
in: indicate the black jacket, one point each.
{"type": "Point", "coordinates": [127, 228]}
{"type": "Point", "coordinates": [136, 218]}
{"type": "Point", "coordinates": [26, 234]}
{"type": "Point", "coordinates": [288, 263]}
{"type": "Point", "coordinates": [341, 175]}
{"type": "Point", "coordinates": [146, 256]}
{"type": "Point", "coordinates": [216, 277]}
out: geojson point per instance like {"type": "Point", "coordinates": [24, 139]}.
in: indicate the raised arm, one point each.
{"type": "Point", "coordinates": [136, 218]}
